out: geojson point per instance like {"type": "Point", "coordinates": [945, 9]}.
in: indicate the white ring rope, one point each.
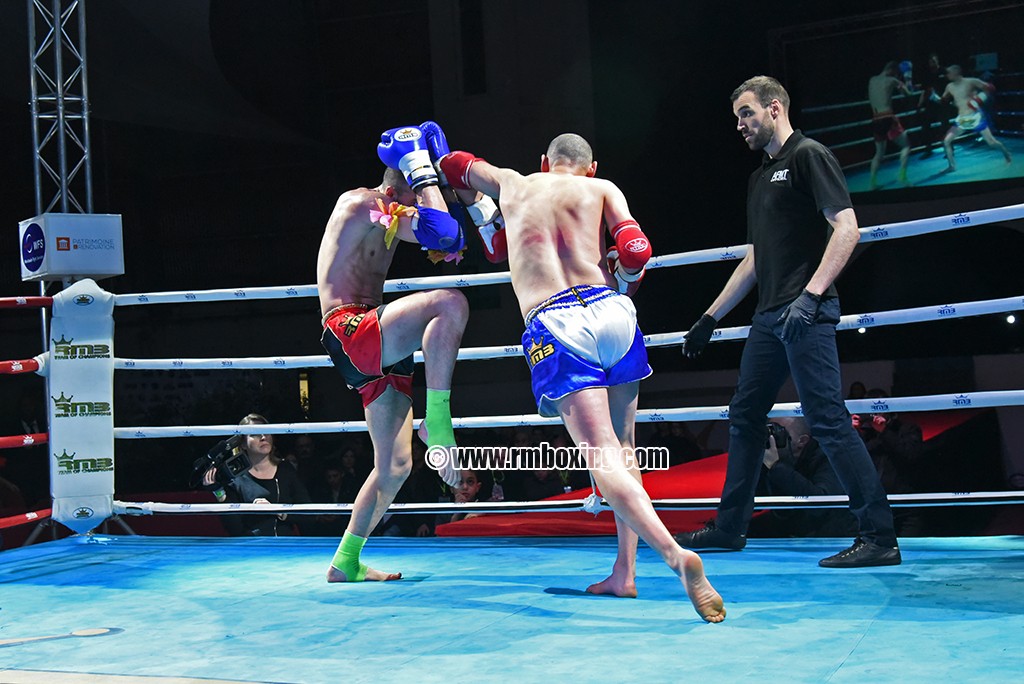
{"type": "Point", "coordinates": [848, 322]}
{"type": "Point", "coordinates": [591, 503]}
{"type": "Point", "coordinates": [868, 234]}
{"type": "Point", "coordinates": [935, 402]}
{"type": "Point", "coordinates": [572, 505]}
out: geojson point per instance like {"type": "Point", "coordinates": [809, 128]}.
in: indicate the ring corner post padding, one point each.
{"type": "Point", "coordinates": [81, 401]}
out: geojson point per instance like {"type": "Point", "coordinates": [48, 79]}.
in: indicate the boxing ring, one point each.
{"type": "Point", "coordinates": [92, 607]}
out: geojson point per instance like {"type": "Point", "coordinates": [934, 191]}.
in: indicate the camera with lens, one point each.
{"type": "Point", "coordinates": [779, 433]}
{"type": "Point", "coordinates": [227, 457]}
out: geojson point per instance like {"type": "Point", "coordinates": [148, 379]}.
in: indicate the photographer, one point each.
{"type": "Point", "coordinates": [794, 465]}
{"type": "Point", "coordinates": [263, 482]}
{"type": "Point", "coordinates": [897, 450]}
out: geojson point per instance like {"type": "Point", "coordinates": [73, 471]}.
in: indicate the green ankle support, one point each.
{"type": "Point", "coordinates": [439, 418]}
{"type": "Point", "coordinates": [346, 558]}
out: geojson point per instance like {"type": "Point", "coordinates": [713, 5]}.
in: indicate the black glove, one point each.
{"type": "Point", "coordinates": [799, 316]}
{"type": "Point", "coordinates": [699, 336]}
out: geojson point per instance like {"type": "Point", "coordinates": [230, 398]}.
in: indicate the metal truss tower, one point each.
{"type": "Point", "coordinates": [60, 106]}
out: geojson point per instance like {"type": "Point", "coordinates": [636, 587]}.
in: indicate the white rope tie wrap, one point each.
{"type": "Point", "coordinates": [592, 503]}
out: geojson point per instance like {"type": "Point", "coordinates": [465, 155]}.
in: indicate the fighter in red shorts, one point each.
{"type": "Point", "coordinates": [885, 125]}
{"type": "Point", "coordinates": [372, 344]}
{"type": "Point", "coordinates": [352, 337]}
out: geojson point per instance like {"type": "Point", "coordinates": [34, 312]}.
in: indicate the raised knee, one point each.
{"type": "Point", "coordinates": [452, 305]}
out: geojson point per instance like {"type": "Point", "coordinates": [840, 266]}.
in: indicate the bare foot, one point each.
{"type": "Point", "coordinates": [335, 575]}
{"type": "Point", "coordinates": [440, 459]}
{"type": "Point", "coordinates": [949, 169]}
{"type": "Point", "coordinates": [707, 602]}
{"type": "Point", "coordinates": [616, 584]}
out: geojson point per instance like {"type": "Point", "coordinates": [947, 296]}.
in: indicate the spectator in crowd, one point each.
{"type": "Point", "coordinates": [353, 470]}
{"type": "Point", "coordinates": [331, 489]}
{"type": "Point", "coordinates": [469, 489]}
{"type": "Point", "coordinates": [540, 484]}
{"type": "Point", "coordinates": [857, 390]}
{"type": "Point", "coordinates": [302, 455]}
{"type": "Point", "coordinates": [521, 438]}
{"type": "Point", "coordinates": [682, 445]}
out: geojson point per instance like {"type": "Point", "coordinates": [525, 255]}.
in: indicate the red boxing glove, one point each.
{"type": "Point", "coordinates": [455, 167]}
{"type": "Point", "coordinates": [491, 227]}
{"type": "Point", "coordinates": [632, 245]}
{"type": "Point", "coordinates": [495, 242]}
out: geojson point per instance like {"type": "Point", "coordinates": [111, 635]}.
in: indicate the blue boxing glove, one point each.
{"type": "Point", "coordinates": [484, 213]}
{"type": "Point", "coordinates": [906, 68]}
{"type": "Point", "coordinates": [436, 229]}
{"type": "Point", "coordinates": [437, 143]}
{"type": "Point", "coordinates": [799, 316]}
{"type": "Point", "coordinates": [405, 149]}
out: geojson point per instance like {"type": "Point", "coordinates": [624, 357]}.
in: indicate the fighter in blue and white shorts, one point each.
{"type": "Point", "coordinates": [975, 122]}
{"type": "Point", "coordinates": [585, 336]}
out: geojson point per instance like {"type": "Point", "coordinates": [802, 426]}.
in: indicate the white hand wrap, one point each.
{"type": "Point", "coordinates": [484, 211]}
{"type": "Point", "coordinates": [622, 277]}
{"type": "Point", "coordinates": [489, 221]}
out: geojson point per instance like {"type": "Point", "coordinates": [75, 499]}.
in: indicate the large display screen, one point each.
{"type": "Point", "coordinates": [929, 98]}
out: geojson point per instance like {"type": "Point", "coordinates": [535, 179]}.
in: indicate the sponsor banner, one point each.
{"type": "Point", "coordinates": [81, 411]}
{"type": "Point", "coordinates": [55, 246]}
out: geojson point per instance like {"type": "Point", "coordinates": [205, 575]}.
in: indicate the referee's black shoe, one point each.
{"type": "Point", "coordinates": [710, 537]}
{"type": "Point", "coordinates": [863, 554]}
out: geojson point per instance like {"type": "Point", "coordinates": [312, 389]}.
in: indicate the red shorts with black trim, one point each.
{"type": "Point", "coordinates": [886, 126]}
{"type": "Point", "coordinates": [352, 337]}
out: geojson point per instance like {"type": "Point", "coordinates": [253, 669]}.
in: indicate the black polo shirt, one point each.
{"type": "Point", "coordinates": [785, 224]}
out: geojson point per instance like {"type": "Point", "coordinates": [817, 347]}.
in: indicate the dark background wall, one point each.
{"type": "Point", "coordinates": [223, 131]}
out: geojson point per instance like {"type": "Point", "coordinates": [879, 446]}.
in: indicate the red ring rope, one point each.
{"type": "Point", "coordinates": [23, 518]}
{"type": "Point", "coordinates": [16, 441]}
{"type": "Point", "coordinates": [19, 366]}
{"type": "Point", "coordinates": [30, 302]}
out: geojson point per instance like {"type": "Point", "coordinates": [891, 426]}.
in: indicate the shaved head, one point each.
{"type": "Point", "coordinates": [570, 149]}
